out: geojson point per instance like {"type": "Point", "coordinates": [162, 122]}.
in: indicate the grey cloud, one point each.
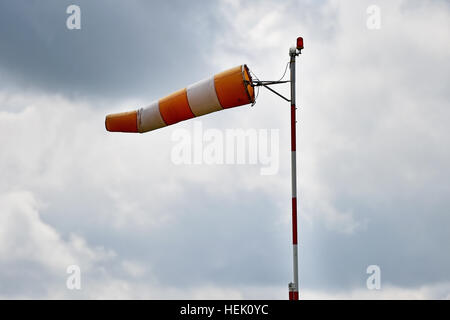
{"type": "Point", "coordinates": [124, 49]}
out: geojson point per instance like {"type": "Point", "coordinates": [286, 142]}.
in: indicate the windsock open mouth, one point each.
{"type": "Point", "coordinates": [228, 89]}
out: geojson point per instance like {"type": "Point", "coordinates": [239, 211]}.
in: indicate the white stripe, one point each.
{"type": "Point", "coordinates": [149, 118]}
{"type": "Point", "coordinates": [202, 97]}
{"type": "Point", "coordinates": [295, 253]}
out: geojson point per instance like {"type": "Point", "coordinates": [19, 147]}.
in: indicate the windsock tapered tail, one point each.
{"type": "Point", "coordinates": [224, 90]}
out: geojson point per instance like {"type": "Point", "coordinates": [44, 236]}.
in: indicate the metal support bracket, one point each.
{"type": "Point", "coordinates": [266, 85]}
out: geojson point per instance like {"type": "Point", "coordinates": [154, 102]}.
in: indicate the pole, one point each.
{"type": "Point", "coordinates": [293, 52]}
{"type": "Point", "coordinates": [293, 287]}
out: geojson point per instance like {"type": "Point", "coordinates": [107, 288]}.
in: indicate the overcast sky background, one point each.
{"type": "Point", "coordinates": [373, 151]}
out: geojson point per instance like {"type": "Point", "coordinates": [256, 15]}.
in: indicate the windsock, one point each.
{"type": "Point", "coordinates": [224, 90]}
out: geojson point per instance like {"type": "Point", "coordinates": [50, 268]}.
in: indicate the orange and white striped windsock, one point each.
{"type": "Point", "coordinates": [224, 90]}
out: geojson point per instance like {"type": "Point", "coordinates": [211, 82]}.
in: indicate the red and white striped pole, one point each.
{"type": "Point", "coordinates": [293, 286]}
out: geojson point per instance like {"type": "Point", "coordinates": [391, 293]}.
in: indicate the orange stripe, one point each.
{"type": "Point", "coordinates": [175, 107]}
{"type": "Point", "coordinates": [230, 87]}
{"type": "Point", "coordinates": [122, 122]}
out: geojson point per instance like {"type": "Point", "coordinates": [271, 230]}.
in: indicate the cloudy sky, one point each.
{"type": "Point", "coordinates": [373, 151]}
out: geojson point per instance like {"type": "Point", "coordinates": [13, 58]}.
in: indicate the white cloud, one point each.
{"type": "Point", "coordinates": [134, 268]}
{"type": "Point", "coordinates": [25, 237]}
{"type": "Point", "coordinates": [388, 292]}
{"type": "Point", "coordinates": [365, 96]}
{"type": "Point", "coordinates": [60, 149]}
